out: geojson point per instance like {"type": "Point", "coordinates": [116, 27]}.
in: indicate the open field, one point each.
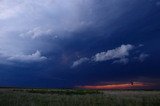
{"type": "Point", "coordinates": [66, 97]}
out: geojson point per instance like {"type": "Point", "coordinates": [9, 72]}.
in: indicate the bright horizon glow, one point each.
{"type": "Point", "coordinates": [136, 85]}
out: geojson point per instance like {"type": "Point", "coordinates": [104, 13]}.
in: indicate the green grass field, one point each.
{"type": "Point", "coordinates": [66, 97]}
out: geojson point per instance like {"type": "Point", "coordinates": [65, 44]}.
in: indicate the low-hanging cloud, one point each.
{"type": "Point", "coordinates": [35, 57]}
{"type": "Point", "coordinates": [117, 53]}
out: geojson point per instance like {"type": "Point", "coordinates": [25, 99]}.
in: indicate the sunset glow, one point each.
{"type": "Point", "coordinates": [136, 85]}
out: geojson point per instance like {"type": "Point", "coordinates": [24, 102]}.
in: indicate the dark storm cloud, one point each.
{"type": "Point", "coordinates": [69, 33]}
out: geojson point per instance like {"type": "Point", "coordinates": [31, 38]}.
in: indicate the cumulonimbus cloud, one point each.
{"type": "Point", "coordinates": [22, 21]}
{"type": "Point", "coordinates": [59, 16]}
{"type": "Point", "coordinates": [37, 32]}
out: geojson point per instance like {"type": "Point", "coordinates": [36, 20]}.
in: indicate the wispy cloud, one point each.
{"type": "Point", "coordinates": [142, 57]}
{"type": "Point", "coordinates": [79, 62]}
{"type": "Point", "coordinates": [37, 32]}
{"type": "Point", "coordinates": [122, 60]}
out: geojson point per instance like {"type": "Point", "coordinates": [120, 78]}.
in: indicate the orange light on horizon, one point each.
{"type": "Point", "coordinates": [116, 86]}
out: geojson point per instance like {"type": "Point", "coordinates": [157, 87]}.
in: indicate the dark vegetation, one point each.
{"type": "Point", "coordinates": [69, 97]}
{"type": "Point", "coordinates": [60, 91]}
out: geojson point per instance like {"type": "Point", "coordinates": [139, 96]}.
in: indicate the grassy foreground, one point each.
{"type": "Point", "coordinates": [58, 97]}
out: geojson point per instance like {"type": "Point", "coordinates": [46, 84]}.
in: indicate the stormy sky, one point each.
{"type": "Point", "coordinates": [79, 43]}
